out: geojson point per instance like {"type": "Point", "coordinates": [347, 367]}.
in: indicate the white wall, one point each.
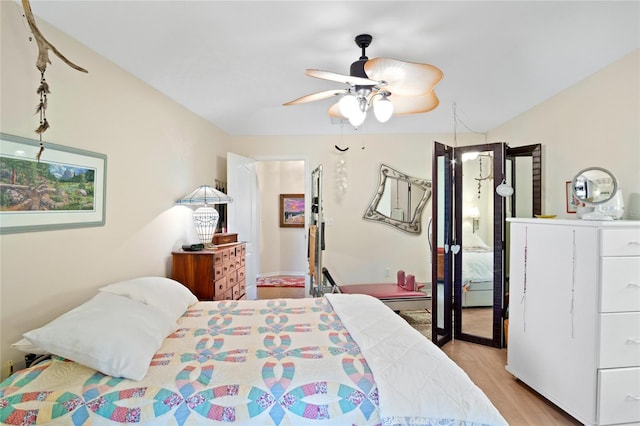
{"type": "Point", "coordinates": [156, 151]}
{"type": "Point", "coordinates": [282, 250]}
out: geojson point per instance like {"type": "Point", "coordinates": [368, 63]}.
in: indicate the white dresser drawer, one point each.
{"type": "Point", "coordinates": [620, 289]}
{"type": "Point", "coordinates": [620, 340]}
{"type": "Point", "coordinates": [620, 242]}
{"type": "Point", "coordinates": [619, 396]}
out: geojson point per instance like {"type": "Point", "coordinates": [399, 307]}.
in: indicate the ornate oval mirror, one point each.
{"type": "Point", "coordinates": [594, 185]}
{"type": "Point", "coordinates": [399, 200]}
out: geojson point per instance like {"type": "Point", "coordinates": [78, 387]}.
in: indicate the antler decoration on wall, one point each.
{"type": "Point", "coordinates": [41, 63]}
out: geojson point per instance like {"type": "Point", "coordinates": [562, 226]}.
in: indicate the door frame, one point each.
{"type": "Point", "coordinates": [444, 334]}
{"type": "Point", "coordinates": [307, 196]}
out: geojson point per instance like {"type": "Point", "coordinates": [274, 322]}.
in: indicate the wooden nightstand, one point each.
{"type": "Point", "coordinates": [212, 274]}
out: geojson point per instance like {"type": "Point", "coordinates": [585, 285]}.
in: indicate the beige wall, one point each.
{"type": "Point", "coordinates": [282, 250]}
{"type": "Point", "coordinates": [594, 123]}
{"type": "Point", "coordinates": [156, 152]}
{"type": "Point", "coordinates": [359, 251]}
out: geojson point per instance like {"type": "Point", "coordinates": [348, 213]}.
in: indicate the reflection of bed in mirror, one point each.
{"type": "Point", "coordinates": [477, 272]}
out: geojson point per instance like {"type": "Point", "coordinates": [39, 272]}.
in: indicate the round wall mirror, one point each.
{"type": "Point", "coordinates": [594, 185]}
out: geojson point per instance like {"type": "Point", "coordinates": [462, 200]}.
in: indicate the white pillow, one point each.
{"type": "Point", "coordinates": [473, 241]}
{"type": "Point", "coordinates": [165, 294]}
{"type": "Point", "coordinates": [109, 333]}
{"type": "Point", "coordinates": [25, 345]}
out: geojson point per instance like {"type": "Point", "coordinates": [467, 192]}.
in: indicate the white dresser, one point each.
{"type": "Point", "coordinates": [574, 315]}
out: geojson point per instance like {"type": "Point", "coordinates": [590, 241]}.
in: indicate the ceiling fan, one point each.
{"type": "Point", "coordinates": [388, 86]}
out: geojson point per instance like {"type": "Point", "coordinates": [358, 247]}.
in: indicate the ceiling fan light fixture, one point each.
{"type": "Point", "coordinates": [348, 105]}
{"type": "Point", "coordinates": [357, 117]}
{"type": "Point", "coordinates": [372, 81]}
{"type": "Point", "coordinates": [383, 109]}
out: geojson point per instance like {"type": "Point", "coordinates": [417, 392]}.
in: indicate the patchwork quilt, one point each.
{"type": "Point", "coordinates": [268, 362]}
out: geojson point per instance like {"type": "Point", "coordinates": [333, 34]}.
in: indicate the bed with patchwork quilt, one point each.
{"type": "Point", "coordinates": [341, 359]}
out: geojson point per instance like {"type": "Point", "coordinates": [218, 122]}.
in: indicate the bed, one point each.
{"type": "Point", "coordinates": [477, 272]}
{"type": "Point", "coordinates": [339, 359]}
{"type": "Point", "coordinates": [477, 277]}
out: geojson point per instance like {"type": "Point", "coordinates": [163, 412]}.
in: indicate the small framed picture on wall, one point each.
{"type": "Point", "coordinates": [292, 210]}
{"type": "Point", "coordinates": [571, 200]}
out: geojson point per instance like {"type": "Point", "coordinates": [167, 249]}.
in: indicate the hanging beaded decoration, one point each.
{"type": "Point", "coordinates": [43, 91]}
{"type": "Point", "coordinates": [480, 180]}
{"type": "Point", "coordinates": [41, 63]}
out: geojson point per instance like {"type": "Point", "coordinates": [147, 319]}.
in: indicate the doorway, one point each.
{"type": "Point", "coordinates": [256, 185]}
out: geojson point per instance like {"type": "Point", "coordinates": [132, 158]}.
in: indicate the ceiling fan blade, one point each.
{"type": "Point", "coordinates": [317, 96]}
{"type": "Point", "coordinates": [341, 78]}
{"type": "Point", "coordinates": [413, 104]}
{"type": "Point", "coordinates": [403, 78]}
{"type": "Point", "coordinates": [334, 111]}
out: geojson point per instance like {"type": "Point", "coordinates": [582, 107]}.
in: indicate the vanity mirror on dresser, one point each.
{"type": "Point", "coordinates": [574, 331]}
{"type": "Point", "coordinates": [212, 274]}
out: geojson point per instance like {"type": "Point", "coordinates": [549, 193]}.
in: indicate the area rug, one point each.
{"type": "Point", "coordinates": [420, 320]}
{"type": "Point", "coordinates": [281, 281]}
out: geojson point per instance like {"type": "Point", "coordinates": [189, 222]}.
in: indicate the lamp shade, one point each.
{"type": "Point", "coordinates": [472, 212]}
{"type": "Point", "coordinates": [205, 217]}
{"type": "Point", "coordinates": [203, 196]}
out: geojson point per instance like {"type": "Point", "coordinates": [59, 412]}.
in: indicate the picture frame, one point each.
{"type": "Point", "coordinates": [292, 210]}
{"type": "Point", "coordinates": [61, 188]}
{"type": "Point", "coordinates": [572, 201]}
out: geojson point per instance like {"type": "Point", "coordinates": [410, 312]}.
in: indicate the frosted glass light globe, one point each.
{"type": "Point", "coordinates": [383, 110]}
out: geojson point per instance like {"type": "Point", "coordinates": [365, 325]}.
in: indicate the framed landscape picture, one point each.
{"type": "Point", "coordinates": [292, 210]}
{"type": "Point", "coordinates": [60, 188]}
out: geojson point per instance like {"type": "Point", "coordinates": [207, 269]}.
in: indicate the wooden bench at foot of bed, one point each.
{"type": "Point", "coordinates": [392, 295]}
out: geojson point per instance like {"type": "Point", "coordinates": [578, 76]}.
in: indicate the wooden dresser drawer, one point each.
{"type": "Point", "coordinates": [228, 295]}
{"type": "Point", "coordinates": [619, 395]}
{"type": "Point", "coordinates": [218, 271]}
{"type": "Point", "coordinates": [241, 274]}
{"type": "Point", "coordinates": [226, 267]}
{"type": "Point", "coordinates": [620, 340]}
{"type": "Point", "coordinates": [620, 242]}
{"type": "Point", "coordinates": [236, 291]}
{"type": "Point", "coordinates": [220, 286]}
{"type": "Point", "coordinates": [620, 289]}
{"type": "Point", "coordinates": [218, 258]}
{"type": "Point", "coordinates": [232, 279]}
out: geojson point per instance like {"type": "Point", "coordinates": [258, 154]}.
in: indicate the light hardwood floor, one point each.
{"type": "Point", "coordinates": [518, 404]}
{"type": "Point", "coordinates": [280, 292]}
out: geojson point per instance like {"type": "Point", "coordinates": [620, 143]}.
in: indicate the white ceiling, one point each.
{"type": "Point", "coordinates": [236, 62]}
